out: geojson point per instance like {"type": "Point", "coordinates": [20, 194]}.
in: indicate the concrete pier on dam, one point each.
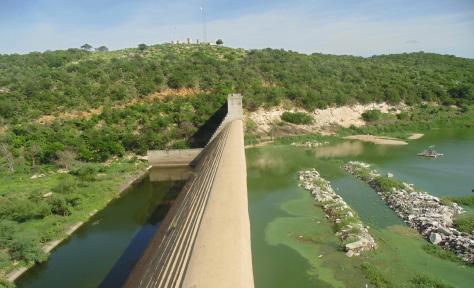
{"type": "Point", "coordinates": [204, 240]}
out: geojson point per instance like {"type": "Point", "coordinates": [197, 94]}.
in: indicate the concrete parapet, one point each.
{"type": "Point", "coordinates": [172, 158]}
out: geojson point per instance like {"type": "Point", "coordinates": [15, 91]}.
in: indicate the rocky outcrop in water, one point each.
{"type": "Point", "coordinates": [420, 210]}
{"type": "Point", "coordinates": [350, 229]}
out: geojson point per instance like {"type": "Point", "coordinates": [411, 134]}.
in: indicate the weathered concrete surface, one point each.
{"type": "Point", "coordinates": [178, 173]}
{"type": "Point", "coordinates": [221, 256]}
{"type": "Point", "coordinates": [170, 158]}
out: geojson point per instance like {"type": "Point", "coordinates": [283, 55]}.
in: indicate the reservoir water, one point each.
{"type": "Point", "coordinates": [281, 212]}
{"type": "Point", "coordinates": [104, 250]}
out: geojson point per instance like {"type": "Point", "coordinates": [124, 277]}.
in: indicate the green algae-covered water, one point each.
{"type": "Point", "coordinates": [294, 246]}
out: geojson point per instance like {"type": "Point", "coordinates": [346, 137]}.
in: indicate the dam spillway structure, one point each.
{"type": "Point", "coordinates": [204, 240]}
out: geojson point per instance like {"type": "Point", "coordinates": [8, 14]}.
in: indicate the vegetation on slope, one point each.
{"type": "Point", "coordinates": [115, 91]}
{"type": "Point", "coordinates": [51, 83]}
{"type": "Point", "coordinates": [297, 117]}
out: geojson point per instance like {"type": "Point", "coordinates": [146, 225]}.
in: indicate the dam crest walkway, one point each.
{"type": "Point", "coordinates": [204, 240]}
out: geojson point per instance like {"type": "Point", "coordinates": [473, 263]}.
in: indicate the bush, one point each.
{"type": "Point", "coordinates": [374, 276]}
{"type": "Point", "coordinates": [385, 184]}
{"type": "Point", "coordinates": [59, 206]}
{"type": "Point", "coordinates": [466, 200]}
{"type": "Point", "coordinates": [297, 117]}
{"type": "Point", "coordinates": [86, 172]}
{"type": "Point", "coordinates": [424, 281]}
{"type": "Point", "coordinates": [66, 185]}
{"type": "Point", "coordinates": [465, 223]}
{"type": "Point", "coordinates": [26, 247]}
{"type": "Point", "coordinates": [372, 115]}
{"type": "Point", "coordinates": [439, 252]}
{"type": "Point", "coordinates": [21, 210]}
{"type": "Point", "coordinates": [4, 260]}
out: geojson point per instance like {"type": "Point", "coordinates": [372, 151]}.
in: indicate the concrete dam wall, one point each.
{"type": "Point", "coordinates": [204, 240]}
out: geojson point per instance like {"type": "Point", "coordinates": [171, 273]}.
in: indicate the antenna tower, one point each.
{"type": "Point", "coordinates": [204, 26]}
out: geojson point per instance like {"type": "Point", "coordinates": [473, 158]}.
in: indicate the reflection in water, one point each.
{"type": "Point", "coordinates": [109, 244]}
{"type": "Point", "coordinates": [340, 150]}
{"type": "Point", "coordinates": [160, 174]}
{"type": "Point", "coordinates": [122, 268]}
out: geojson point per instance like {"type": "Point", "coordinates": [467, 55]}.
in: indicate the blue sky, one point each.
{"type": "Point", "coordinates": [361, 28]}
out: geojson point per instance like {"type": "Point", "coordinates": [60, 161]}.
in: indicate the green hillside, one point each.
{"type": "Point", "coordinates": [118, 82]}
{"type": "Point", "coordinates": [69, 109]}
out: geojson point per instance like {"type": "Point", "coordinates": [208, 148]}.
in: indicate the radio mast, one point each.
{"type": "Point", "coordinates": [204, 28]}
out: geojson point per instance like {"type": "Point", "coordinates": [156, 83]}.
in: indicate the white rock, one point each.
{"type": "Point", "coordinates": [435, 238]}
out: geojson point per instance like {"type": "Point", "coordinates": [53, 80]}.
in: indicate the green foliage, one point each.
{"type": "Point", "coordinates": [418, 118]}
{"type": "Point", "coordinates": [386, 184]}
{"type": "Point", "coordinates": [87, 172]}
{"type": "Point", "coordinates": [59, 206]}
{"type": "Point", "coordinates": [463, 200]}
{"type": "Point", "coordinates": [374, 276]}
{"type": "Point", "coordinates": [219, 42]}
{"type": "Point", "coordinates": [142, 47]}
{"type": "Point", "coordinates": [441, 253]}
{"type": "Point", "coordinates": [297, 117]}
{"type": "Point", "coordinates": [66, 185]}
{"type": "Point", "coordinates": [21, 210]}
{"type": "Point", "coordinates": [425, 281]}
{"type": "Point", "coordinates": [464, 223]}
{"type": "Point", "coordinates": [372, 115]}
{"type": "Point", "coordinates": [26, 247]}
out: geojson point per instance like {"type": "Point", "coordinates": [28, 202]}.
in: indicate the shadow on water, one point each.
{"type": "Point", "coordinates": [105, 249]}
{"type": "Point", "coordinates": [122, 268]}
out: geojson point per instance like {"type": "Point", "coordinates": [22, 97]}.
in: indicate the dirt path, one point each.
{"type": "Point", "coordinates": [183, 92]}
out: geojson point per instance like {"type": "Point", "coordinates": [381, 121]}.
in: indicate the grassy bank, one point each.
{"type": "Point", "coordinates": [417, 119]}
{"type": "Point", "coordinates": [36, 208]}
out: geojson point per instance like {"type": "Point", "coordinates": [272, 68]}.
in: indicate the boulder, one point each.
{"type": "Point", "coordinates": [355, 245]}
{"type": "Point", "coordinates": [435, 238]}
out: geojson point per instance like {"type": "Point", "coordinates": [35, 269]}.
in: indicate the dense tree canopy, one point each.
{"type": "Point", "coordinates": [54, 82]}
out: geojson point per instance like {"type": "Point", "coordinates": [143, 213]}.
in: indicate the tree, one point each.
{"type": "Point", "coordinates": [34, 151]}
{"type": "Point", "coordinates": [66, 158]}
{"type": "Point", "coordinates": [142, 47]}
{"type": "Point", "coordinates": [102, 49]}
{"type": "Point", "coordinates": [219, 42]}
{"type": "Point", "coordinates": [86, 47]}
{"type": "Point", "coordinates": [8, 156]}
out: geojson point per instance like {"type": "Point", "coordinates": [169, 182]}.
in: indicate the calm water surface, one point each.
{"type": "Point", "coordinates": [104, 250]}
{"type": "Point", "coordinates": [281, 212]}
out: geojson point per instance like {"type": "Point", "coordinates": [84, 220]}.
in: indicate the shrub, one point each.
{"type": "Point", "coordinates": [371, 115]}
{"type": "Point", "coordinates": [439, 252]}
{"type": "Point", "coordinates": [297, 117]}
{"type": "Point", "coordinates": [66, 185]}
{"type": "Point", "coordinates": [86, 172]}
{"type": "Point", "coordinates": [59, 206]}
{"type": "Point", "coordinates": [424, 281]}
{"type": "Point", "coordinates": [385, 184]}
{"type": "Point", "coordinates": [374, 276]}
{"type": "Point", "coordinates": [464, 223]}
{"type": "Point", "coordinates": [466, 200]}
{"type": "Point", "coordinates": [26, 247]}
{"type": "Point", "coordinates": [4, 260]}
{"type": "Point", "coordinates": [20, 210]}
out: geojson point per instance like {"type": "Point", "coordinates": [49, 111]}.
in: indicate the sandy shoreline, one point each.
{"type": "Point", "coordinates": [379, 140]}
{"type": "Point", "coordinates": [415, 136]}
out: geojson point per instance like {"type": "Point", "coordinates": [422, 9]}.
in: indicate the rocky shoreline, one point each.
{"type": "Point", "coordinates": [420, 210]}
{"type": "Point", "coordinates": [309, 144]}
{"type": "Point", "coordinates": [350, 229]}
